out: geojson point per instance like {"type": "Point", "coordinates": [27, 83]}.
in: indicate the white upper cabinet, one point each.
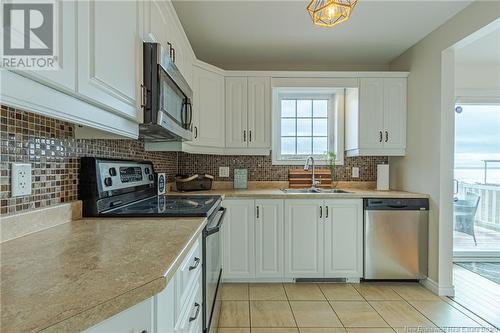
{"type": "Point", "coordinates": [371, 104]}
{"type": "Point", "coordinates": [303, 239]}
{"type": "Point", "coordinates": [259, 112]}
{"type": "Point", "coordinates": [343, 238]}
{"type": "Point", "coordinates": [269, 238]}
{"type": "Point", "coordinates": [248, 112]}
{"type": "Point", "coordinates": [395, 113]}
{"type": "Point", "coordinates": [208, 108]}
{"type": "Point", "coordinates": [376, 117]}
{"type": "Point", "coordinates": [110, 54]}
{"type": "Point", "coordinates": [64, 78]}
{"type": "Point", "coordinates": [157, 22]}
{"type": "Point", "coordinates": [236, 112]}
{"type": "Point", "coordinates": [238, 245]}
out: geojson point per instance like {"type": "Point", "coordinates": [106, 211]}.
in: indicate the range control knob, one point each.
{"type": "Point", "coordinates": [146, 171]}
{"type": "Point", "coordinates": [112, 172]}
{"type": "Point", "coordinates": [108, 181]}
{"type": "Point", "coordinates": [151, 177]}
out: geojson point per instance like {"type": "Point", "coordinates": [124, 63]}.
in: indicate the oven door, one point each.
{"type": "Point", "coordinates": [212, 270]}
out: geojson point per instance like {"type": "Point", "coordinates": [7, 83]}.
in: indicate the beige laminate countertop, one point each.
{"type": "Point", "coordinates": [275, 193]}
{"type": "Point", "coordinates": [74, 275]}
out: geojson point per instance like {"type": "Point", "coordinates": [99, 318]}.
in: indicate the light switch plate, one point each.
{"type": "Point", "coordinates": [355, 172]}
{"type": "Point", "coordinates": [223, 172]}
{"type": "Point", "coordinates": [20, 179]}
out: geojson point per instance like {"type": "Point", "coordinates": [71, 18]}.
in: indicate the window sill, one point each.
{"type": "Point", "coordinates": [302, 162]}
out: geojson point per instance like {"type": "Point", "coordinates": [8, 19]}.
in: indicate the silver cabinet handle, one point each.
{"type": "Point", "coordinates": [386, 136]}
{"type": "Point", "coordinates": [326, 211]}
{"type": "Point", "coordinates": [380, 136]}
{"type": "Point", "coordinates": [196, 132]}
{"type": "Point", "coordinates": [320, 211]}
{"type": "Point", "coordinates": [197, 306]}
{"type": "Point", "coordinates": [196, 263]}
{"type": "Point", "coordinates": [257, 211]}
{"type": "Point", "coordinates": [244, 135]}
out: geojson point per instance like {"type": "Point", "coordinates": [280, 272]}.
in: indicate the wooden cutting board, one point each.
{"type": "Point", "coordinates": [300, 178]}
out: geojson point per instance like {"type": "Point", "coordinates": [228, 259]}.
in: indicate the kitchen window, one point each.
{"type": "Point", "coordinates": [307, 122]}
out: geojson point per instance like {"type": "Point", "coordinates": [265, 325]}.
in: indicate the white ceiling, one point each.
{"type": "Point", "coordinates": [279, 35]}
{"type": "Point", "coordinates": [484, 51]}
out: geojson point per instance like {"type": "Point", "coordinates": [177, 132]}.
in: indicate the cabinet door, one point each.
{"type": "Point", "coordinates": [208, 108]}
{"type": "Point", "coordinates": [136, 319]}
{"type": "Point", "coordinates": [236, 112]}
{"type": "Point", "coordinates": [303, 239]}
{"type": "Point", "coordinates": [259, 112]}
{"type": "Point", "coordinates": [371, 113]}
{"type": "Point", "coordinates": [165, 308]}
{"type": "Point", "coordinates": [343, 238]}
{"type": "Point", "coordinates": [238, 248]}
{"type": "Point", "coordinates": [395, 113]}
{"type": "Point", "coordinates": [63, 78]}
{"type": "Point", "coordinates": [110, 54]}
{"type": "Point", "coordinates": [156, 22]}
{"type": "Point", "coordinates": [269, 238]}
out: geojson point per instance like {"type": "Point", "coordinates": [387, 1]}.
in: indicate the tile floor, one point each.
{"type": "Point", "coordinates": [339, 307]}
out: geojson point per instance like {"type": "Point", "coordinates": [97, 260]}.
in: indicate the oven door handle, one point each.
{"type": "Point", "coordinates": [221, 219]}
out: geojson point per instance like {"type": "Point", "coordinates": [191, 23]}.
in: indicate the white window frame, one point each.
{"type": "Point", "coordinates": [335, 117]}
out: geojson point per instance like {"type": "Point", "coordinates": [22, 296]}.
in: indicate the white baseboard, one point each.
{"type": "Point", "coordinates": [437, 289]}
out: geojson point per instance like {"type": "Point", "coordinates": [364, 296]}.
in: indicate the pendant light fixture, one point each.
{"type": "Point", "coordinates": [327, 13]}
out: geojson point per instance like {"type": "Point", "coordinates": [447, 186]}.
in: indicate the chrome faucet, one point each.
{"type": "Point", "coordinates": [306, 167]}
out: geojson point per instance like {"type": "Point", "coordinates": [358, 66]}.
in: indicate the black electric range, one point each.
{"type": "Point", "coordinates": [168, 206]}
{"type": "Point", "coordinates": [116, 188]}
{"type": "Point", "coordinates": [129, 189]}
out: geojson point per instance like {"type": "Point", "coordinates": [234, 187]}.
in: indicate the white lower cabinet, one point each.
{"type": "Point", "coordinates": [295, 238]}
{"type": "Point", "coordinates": [269, 238]}
{"type": "Point", "coordinates": [238, 244]}
{"type": "Point", "coordinates": [137, 319]}
{"type": "Point", "coordinates": [176, 309]}
{"type": "Point", "coordinates": [343, 238]}
{"type": "Point", "coordinates": [303, 238]}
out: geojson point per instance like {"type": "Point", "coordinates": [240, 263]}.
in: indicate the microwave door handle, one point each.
{"type": "Point", "coordinates": [183, 114]}
{"type": "Point", "coordinates": [190, 114]}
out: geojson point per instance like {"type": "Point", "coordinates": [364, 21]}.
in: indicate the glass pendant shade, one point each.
{"type": "Point", "coordinates": [328, 13]}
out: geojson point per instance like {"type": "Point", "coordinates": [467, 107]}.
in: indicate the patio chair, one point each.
{"type": "Point", "coordinates": [464, 212]}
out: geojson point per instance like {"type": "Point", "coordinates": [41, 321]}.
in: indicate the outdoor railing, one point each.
{"type": "Point", "coordinates": [488, 212]}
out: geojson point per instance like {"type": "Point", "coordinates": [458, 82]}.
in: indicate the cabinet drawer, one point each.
{"type": "Point", "coordinates": [191, 314]}
{"type": "Point", "coordinates": [189, 270]}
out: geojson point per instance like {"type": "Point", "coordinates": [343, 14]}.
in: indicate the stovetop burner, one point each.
{"type": "Point", "coordinates": [167, 205]}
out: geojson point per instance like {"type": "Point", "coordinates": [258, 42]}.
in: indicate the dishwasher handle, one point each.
{"type": "Point", "coordinates": [396, 204]}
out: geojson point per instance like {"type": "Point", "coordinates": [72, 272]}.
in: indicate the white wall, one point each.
{"type": "Point", "coordinates": [477, 80]}
{"type": "Point", "coordinates": [419, 171]}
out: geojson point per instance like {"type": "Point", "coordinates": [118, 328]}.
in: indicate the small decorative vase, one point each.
{"type": "Point", "coordinates": [334, 182]}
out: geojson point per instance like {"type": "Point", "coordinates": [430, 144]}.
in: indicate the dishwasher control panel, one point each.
{"type": "Point", "coordinates": [396, 204]}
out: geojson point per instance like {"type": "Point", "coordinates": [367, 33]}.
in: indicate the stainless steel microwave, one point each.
{"type": "Point", "coordinates": [166, 98]}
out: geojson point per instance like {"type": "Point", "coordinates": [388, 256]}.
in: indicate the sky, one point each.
{"type": "Point", "coordinates": [477, 135]}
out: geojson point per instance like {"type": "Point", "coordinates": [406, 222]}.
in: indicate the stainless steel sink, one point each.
{"type": "Point", "coordinates": [314, 190]}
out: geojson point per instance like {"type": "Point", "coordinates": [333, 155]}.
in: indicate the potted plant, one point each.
{"type": "Point", "coordinates": [330, 163]}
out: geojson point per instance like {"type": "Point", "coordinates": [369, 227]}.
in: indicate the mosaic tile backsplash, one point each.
{"type": "Point", "coordinates": [49, 145]}
{"type": "Point", "coordinates": [54, 153]}
{"type": "Point", "coordinates": [260, 168]}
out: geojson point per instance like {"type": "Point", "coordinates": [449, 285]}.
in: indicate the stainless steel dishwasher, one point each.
{"type": "Point", "coordinates": [396, 239]}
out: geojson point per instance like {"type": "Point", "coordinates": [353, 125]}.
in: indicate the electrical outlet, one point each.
{"type": "Point", "coordinates": [223, 172]}
{"type": "Point", "coordinates": [355, 172]}
{"type": "Point", "coordinates": [20, 179]}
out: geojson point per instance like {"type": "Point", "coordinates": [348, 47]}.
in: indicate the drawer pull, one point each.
{"type": "Point", "coordinates": [197, 306]}
{"type": "Point", "coordinates": [196, 263]}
